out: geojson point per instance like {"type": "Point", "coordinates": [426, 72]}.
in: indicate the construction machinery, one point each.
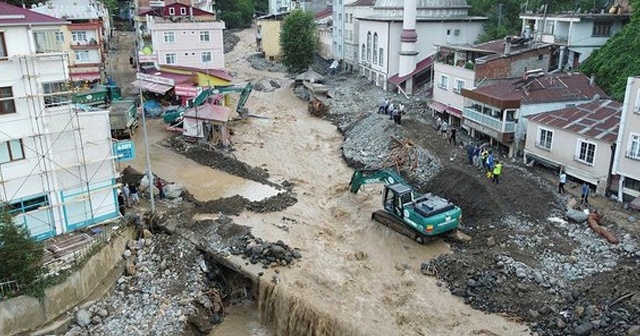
{"type": "Point", "coordinates": [245, 92]}
{"type": "Point", "coordinates": [123, 117]}
{"type": "Point", "coordinates": [99, 95]}
{"type": "Point", "coordinates": [416, 216]}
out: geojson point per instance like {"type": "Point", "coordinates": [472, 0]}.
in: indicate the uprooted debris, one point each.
{"type": "Point", "coordinates": [230, 40]}
{"type": "Point", "coordinates": [258, 62]}
{"type": "Point", "coordinates": [234, 205]}
{"type": "Point", "coordinates": [266, 85]}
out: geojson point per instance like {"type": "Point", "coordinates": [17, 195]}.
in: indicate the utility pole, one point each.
{"type": "Point", "coordinates": [500, 7]}
{"type": "Point", "coordinates": [146, 139]}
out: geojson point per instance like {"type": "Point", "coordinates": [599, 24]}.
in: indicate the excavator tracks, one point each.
{"type": "Point", "coordinates": [395, 224]}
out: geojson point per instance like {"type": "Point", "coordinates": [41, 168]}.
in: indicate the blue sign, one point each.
{"type": "Point", "coordinates": [124, 150]}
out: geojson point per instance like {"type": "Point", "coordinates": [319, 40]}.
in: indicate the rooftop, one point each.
{"type": "Point", "coordinates": [220, 73]}
{"type": "Point", "coordinates": [325, 13]}
{"type": "Point", "coordinates": [362, 3]}
{"type": "Point", "coordinates": [165, 11]}
{"type": "Point", "coordinates": [599, 119]}
{"type": "Point", "coordinates": [77, 10]}
{"type": "Point", "coordinates": [558, 87]}
{"type": "Point", "coordinates": [11, 15]}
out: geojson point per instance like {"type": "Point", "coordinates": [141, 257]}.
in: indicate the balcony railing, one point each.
{"type": "Point", "coordinates": [632, 155]}
{"type": "Point", "coordinates": [491, 122]}
{"type": "Point", "coordinates": [548, 38]}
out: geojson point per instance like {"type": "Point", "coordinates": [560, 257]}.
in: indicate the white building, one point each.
{"type": "Point", "coordinates": [579, 33]}
{"type": "Point", "coordinates": [57, 170]}
{"type": "Point", "coordinates": [283, 6]}
{"type": "Point", "coordinates": [358, 8]}
{"type": "Point", "coordinates": [626, 164]}
{"type": "Point", "coordinates": [398, 40]}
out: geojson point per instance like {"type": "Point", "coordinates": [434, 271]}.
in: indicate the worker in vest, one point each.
{"type": "Point", "coordinates": [497, 170]}
{"type": "Point", "coordinates": [490, 164]}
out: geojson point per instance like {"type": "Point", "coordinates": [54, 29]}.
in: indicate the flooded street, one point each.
{"type": "Point", "coordinates": [354, 271]}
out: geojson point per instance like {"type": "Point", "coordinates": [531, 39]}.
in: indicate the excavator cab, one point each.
{"type": "Point", "coordinates": [396, 196]}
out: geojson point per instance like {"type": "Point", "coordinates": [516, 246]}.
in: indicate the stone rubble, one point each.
{"type": "Point", "coordinates": [268, 254]}
{"type": "Point", "coordinates": [258, 62]}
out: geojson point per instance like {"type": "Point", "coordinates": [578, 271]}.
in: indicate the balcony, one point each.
{"type": "Point", "coordinates": [559, 39]}
{"type": "Point", "coordinates": [489, 121]}
{"type": "Point", "coordinates": [46, 42]}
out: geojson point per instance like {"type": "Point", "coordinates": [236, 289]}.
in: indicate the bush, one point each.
{"type": "Point", "coordinates": [20, 255]}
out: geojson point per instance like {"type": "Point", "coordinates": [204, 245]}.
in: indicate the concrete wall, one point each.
{"type": "Point", "coordinates": [270, 32]}
{"type": "Point", "coordinates": [629, 125]}
{"type": "Point", "coordinates": [25, 313]}
{"type": "Point", "coordinates": [513, 66]}
{"type": "Point", "coordinates": [448, 96]}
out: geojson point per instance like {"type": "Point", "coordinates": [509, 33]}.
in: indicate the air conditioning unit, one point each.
{"type": "Point", "coordinates": [456, 32]}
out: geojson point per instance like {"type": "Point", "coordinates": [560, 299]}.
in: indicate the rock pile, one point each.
{"type": "Point", "coordinates": [268, 254]}
{"type": "Point", "coordinates": [229, 40]}
{"type": "Point", "coordinates": [266, 85]}
{"type": "Point", "coordinates": [163, 286]}
{"type": "Point", "coordinates": [258, 62]}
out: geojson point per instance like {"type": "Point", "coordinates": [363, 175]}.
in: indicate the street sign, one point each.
{"type": "Point", "coordinates": [155, 79]}
{"type": "Point", "coordinates": [186, 91]}
{"type": "Point", "coordinates": [124, 150]}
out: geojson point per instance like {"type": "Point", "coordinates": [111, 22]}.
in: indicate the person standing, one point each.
{"type": "Point", "coordinates": [490, 164]}
{"type": "Point", "coordinates": [386, 105]}
{"type": "Point", "coordinates": [563, 181]}
{"type": "Point", "coordinates": [382, 106]}
{"type": "Point", "coordinates": [397, 118]}
{"type": "Point", "coordinates": [160, 187]}
{"type": "Point", "coordinates": [483, 158]}
{"type": "Point", "coordinates": [134, 194]}
{"type": "Point", "coordinates": [121, 202]}
{"type": "Point", "coordinates": [392, 109]}
{"type": "Point", "coordinates": [438, 124]}
{"type": "Point", "coordinates": [476, 157]}
{"type": "Point", "coordinates": [497, 170]}
{"type": "Point", "coordinates": [452, 137]}
{"type": "Point", "coordinates": [126, 194]}
{"type": "Point", "coordinates": [585, 194]}
{"type": "Point", "coordinates": [444, 129]}
{"type": "Point", "coordinates": [470, 158]}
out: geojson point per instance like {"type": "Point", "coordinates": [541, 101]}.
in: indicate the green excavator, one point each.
{"type": "Point", "coordinates": [416, 216]}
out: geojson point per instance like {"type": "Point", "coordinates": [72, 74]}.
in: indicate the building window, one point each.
{"type": "Point", "coordinates": [339, 16]}
{"type": "Point", "coordinates": [205, 36]}
{"type": "Point", "coordinates": [444, 82]}
{"type": "Point", "coordinates": [381, 57]}
{"type": "Point", "coordinates": [46, 41]}
{"type": "Point", "coordinates": [82, 55]}
{"type": "Point", "coordinates": [350, 18]}
{"type": "Point", "coordinates": [3, 46]}
{"type": "Point", "coordinates": [548, 27]}
{"type": "Point", "coordinates": [79, 36]}
{"type": "Point", "coordinates": [586, 152]}
{"type": "Point", "coordinates": [169, 37]}
{"type": "Point", "coordinates": [369, 46]}
{"type": "Point", "coordinates": [170, 58]}
{"type": "Point", "coordinates": [59, 37]}
{"type": "Point", "coordinates": [183, 11]}
{"type": "Point", "coordinates": [55, 94]}
{"type": "Point", "coordinates": [362, 53]}
{"type": "Point", "coordinates": [28, 204]}
{"type": "Point", "coordinates": [205, 57]}
{"type": "Point", "coordinates": [11, 151]}
{"type": "Point", "coordinates": [7, 105]}
{"type": "Point", "coordinates": [545, 138]}
{"type": "Point", "coordinates": [634, 147]}
{"type": "Point", "coordinates": [459, 86]}
{"type": "Point", "coordinates": [172, 11]}
{"type": "Point", "coordinates": [375, 48]}
{"type": "Point", "coordinates": [602, 28]}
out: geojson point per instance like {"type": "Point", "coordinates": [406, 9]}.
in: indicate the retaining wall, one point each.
{"type": "Point", "coordinates": [25, 313]}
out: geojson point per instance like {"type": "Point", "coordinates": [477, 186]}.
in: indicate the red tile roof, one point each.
{"type": "Point", "coordinates": [323, 13]}
{"type": "Point", "coordinates": [362, 3]}
{"type": "Point", "coordinates": [164, 11]}
{"type": "Point", "coordinates": [599, 119]}
{"type": "Point", "coordinates": [496, 46]}
{"type": "Point", "coordinates": [558, 87]}
{"type": "Point", "coordinates": [11, 15]}
{"type": "Point", "coordinates": [220, 73]}
{"type": "Point", "coordinates": [425, 63]}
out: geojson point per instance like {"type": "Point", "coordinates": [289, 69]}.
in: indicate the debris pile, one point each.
{"type": "Point", "coordinates": [234, 205]}
{"type": "Point", "coordinates": [258, 62]}
{"type": "Point", "coordinates": [162, 277]}
{"type": "Point", "coordinates": [229, 40]}
{"type": "Point", "coordinates": [266, 85]}
{"type": "Point", "coordinates": [268, 254]}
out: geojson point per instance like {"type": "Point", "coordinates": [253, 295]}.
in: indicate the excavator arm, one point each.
{"type": "Point", "coordinates": [361, 177]}
{"type": "Point", "coordinates": [245, 92]}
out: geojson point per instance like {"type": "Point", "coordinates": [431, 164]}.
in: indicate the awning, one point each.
{"type": "Point", "coordinates": [153, 87]}
{"type": "Point", "coordinates": [453, 111]}
{"type": "Point", "coordinates": [437, 106]}
{"type": "Point", "coordinates": [420, 66]}
{"type": "Point", "coordinates": [85, 76]}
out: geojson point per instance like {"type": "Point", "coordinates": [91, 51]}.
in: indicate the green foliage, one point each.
{"type": "Point", "coordinates": [617, 59]}
{"type": "Point", "coordinates": [236, 13]}
{"type": "Point", "coordinates": [261, 7]}
{"type": "Point", "coordinates": [298, 40]}
{"type": "Point", "coordinates": [110, 4]}
{"type": "Point", "coordinates": [20, 256]}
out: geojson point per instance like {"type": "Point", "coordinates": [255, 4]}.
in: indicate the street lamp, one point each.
{"type": "Point", "coordinates": [146, 140]}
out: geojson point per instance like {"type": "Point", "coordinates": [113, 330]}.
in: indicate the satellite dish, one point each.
{"type": "Point", "coordinates": [34, 6]}
{"type": "Point", "coordinates": [596, 97]}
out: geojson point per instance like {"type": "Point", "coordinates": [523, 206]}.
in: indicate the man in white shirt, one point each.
{"type": "Point", "coordinates": [563, 180]}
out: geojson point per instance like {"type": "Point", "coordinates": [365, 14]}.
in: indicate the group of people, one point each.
{"type": "Point", "coordinates": [394, 112]}
{"type": "Point", "coordinates": [446, 130]}
{"type": "Point", "coordinates": [584, 192]}
{"type": "Point", "coordinates": [482, 158]}
{"type": "Point", "coordinates": [128, 195]}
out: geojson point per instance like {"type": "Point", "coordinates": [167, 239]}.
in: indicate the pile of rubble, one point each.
{"type": "Point", "coordinates": [164, 276]}
{"type": "Point", "coordinates": [229, 40]}
{"type": "Point", "coordinates": [268, 254]}
{"type": "Point", "coordinates": [234, 205]}
{"type": "Point", "coordinates": [266, 85]}
{"type": "Point", "coordinates": [258, 62]}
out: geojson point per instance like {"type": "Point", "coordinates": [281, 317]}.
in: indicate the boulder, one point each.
{"type": "Point", "coordinates": [83, 318]}
{"type": "Point", "coordinates": [172, 191]}
{"type": "Point", "coordinates": [634, 331]}
{"type": "Point", "coordinates": [130, 269]}
{"type": "Point", "coordinates": [583, 329]}
{"type": "Point", "coordinates": [576, 216]}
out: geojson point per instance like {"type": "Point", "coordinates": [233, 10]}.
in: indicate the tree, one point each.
{"type": "Point", "coordinates": [298, 40]}
{"type": "Point", "coordinates": [617, 59]}
{"type": "Point", "coordinates": [21, 256]}
{"type": "Point", "coordinates": [236, 13]}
